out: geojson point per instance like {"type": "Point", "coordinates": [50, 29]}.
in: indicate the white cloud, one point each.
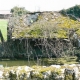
{"type": "Point", "coordinates": [38, 4]}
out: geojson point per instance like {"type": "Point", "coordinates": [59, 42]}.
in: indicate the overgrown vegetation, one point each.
{"type": "Point", "coordinates": [18, 11]}
{"type": "Point", "coordinates": [47, 25]}
{"type": "Point", "coordinates": [44, 27]}
{"type": "Point", "coordinates": [47, 34]}
{"type": "Point", "coordinates": [61, 61]}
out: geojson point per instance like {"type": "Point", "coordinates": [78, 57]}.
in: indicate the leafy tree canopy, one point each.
{"type": "Point", "coordinates": [18, 11]}
{"type": "Point", "coordinates": [75, 11]}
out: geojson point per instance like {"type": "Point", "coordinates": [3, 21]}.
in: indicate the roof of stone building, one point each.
{"type": "Point", "coordinates": [42, 24]}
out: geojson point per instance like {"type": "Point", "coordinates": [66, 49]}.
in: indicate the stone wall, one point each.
{"type": "Point", "coordinates": [53, 72]}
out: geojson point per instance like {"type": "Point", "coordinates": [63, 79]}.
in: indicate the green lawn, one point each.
{"type": "Point", "coordinates": [3, 27]}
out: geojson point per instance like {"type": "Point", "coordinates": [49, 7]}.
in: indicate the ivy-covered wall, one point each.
{"type": "Point", "coordinates": [40, 47]}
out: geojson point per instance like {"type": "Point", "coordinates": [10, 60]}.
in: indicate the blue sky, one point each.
{"type": "Point", "coordinates": [42, 5]}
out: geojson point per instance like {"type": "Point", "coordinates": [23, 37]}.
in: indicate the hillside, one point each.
{"type": "Point", "coordinates": [43, 24]}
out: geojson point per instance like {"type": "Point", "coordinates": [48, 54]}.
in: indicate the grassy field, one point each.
{"type": "Point", "coordinates": [3, 27]}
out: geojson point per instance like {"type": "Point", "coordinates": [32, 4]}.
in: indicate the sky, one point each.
{"type": "Point", "coordinates": [38, 5]}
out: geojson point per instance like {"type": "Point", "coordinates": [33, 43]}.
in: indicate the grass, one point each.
{"type": "Point", "coordinates": [65, 60]}
{"type": "Point", "coordinates": [3, 28]}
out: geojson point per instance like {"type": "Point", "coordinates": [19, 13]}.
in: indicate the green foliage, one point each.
{"type": "Point", "coordinates": [35, 32]}
{"type": "Point", "coordinates": [75, 10]}
{"type": "Point", "coordinates": [18, 11]}
{"type": "Point", "coordinates": [61, 61]}
{"type": "Point", "coordinates": [46, 26]}
{"type": "Point", "coordinates": [78, 32]}
{"type": "Point", "coordinates": [62, 33]}
{"type": "Point", "coordinates": [68, 77]}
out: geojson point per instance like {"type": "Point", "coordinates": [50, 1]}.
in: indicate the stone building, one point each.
{"type": "Point", "coordinates": [4, 14]}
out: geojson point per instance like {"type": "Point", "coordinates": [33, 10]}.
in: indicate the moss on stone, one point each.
{"type": "Point", "coordinates": [48, 24]}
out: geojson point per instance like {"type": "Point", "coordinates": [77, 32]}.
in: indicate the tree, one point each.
{"type": "Point", "coordinates": [18, 11]}
{"type": "Point", "coordinates": [74, 11]}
